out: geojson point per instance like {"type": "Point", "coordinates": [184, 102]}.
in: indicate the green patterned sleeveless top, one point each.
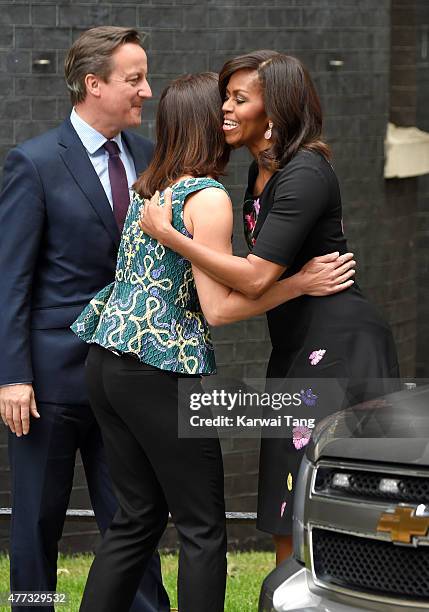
{"type": "Point", "coordinates": [152, 310]}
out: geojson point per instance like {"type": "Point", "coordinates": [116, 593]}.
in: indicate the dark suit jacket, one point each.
{"type": "Point", "coordinates": [58, 246]}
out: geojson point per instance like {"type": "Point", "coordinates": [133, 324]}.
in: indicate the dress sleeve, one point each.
{"type": "Point", "coordinates": [301, 196]}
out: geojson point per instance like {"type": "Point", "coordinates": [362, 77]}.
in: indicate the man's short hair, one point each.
{"type": "Point", "coordinates": [92, 53]}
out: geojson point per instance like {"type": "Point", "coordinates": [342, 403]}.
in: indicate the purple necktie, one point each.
{"type": "Point", "coordinates": [118, 183]}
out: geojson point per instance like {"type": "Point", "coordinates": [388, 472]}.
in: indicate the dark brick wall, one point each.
{"type": "Point", "coordinates": [409, 198]}
{"type": "Point", "coordinates": [401, 194]}
{"type": "Point", "coordinates": [422, 233]}
{"type": "Point", "coordinates": [186, 36]}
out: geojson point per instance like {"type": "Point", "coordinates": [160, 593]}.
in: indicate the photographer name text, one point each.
{"type": "Point", "coordinates": [244, 421]}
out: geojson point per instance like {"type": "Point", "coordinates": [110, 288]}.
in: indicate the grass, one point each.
{"type": "Point", "coordinates": [245, 574]}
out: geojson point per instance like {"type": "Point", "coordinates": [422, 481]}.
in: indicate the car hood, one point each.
{"type": "Point", "coordinates": [392, 429]}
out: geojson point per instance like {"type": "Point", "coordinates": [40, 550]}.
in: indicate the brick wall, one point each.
{"type": "Point", "coordinates": [409, 198]}
{"type": "Point", "coordinates": [401, 194]}
{"type": "Point", "coordinates": [187, 36]}
{"type": "Point", "coordinates": [422, 230]}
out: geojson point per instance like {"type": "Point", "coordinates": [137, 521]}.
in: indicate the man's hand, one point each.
{"type": "Point", "coordinates": [156, 219]}
{"type": "Point", "coordinates": [17, 403]}
{"type": "Point", "coordinates": [327, 274]}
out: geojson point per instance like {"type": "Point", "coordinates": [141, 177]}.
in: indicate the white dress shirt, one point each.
{"type": "Point", "coordinates": [93, 142]}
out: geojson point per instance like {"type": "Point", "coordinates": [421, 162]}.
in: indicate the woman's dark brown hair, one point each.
{"type": "Point", "coordinates": [189, 137]}
{"type": "Point", "coordinates": [291, 103]}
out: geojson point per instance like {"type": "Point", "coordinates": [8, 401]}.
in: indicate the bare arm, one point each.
{"type": "Point", "coordinates": [221, 305]}
{"type": "Point", "coordinates": [251, 276]}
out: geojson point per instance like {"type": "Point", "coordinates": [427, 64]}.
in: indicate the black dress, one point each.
{"type": "Point", "coordinates": [298, 216]}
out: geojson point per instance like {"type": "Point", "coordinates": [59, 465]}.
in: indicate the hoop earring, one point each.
{"type": "Point", "coordinates": [268, 133]}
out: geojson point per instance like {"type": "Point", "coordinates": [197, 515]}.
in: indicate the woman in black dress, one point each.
{"type": "Point", "coordinates": [292, 212]}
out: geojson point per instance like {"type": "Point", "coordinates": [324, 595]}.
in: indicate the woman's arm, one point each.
{"type": "Point", "coordinates": [210, 214]}
{"type": "Point", "coordinates": [250, 275]}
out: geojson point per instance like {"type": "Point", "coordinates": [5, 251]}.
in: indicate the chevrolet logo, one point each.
{"type": "Point", "coordinates": [403, 524]}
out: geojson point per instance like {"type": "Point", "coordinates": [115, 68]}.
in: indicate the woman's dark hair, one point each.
{"type": "Point", "coordinates": [189, 137]}
{"type": "Point", "coordinates": [291, 103]}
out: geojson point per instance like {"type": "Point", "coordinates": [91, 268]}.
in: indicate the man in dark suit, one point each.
{"type": "Point", "coordinates": [62, 208]}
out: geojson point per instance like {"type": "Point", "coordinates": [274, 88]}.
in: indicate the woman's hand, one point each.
{"type": "Point", "coordinates": [155, 219]}
{"type": "Point", "coordinates": [327, 274]}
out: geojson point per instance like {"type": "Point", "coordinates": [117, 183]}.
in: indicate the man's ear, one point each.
{"type": "Point", "coordinates": [92, 84]}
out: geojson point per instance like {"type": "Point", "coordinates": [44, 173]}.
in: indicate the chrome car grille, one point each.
{"type": "Point", "coordinates": [363, 484]}
{"type": "Point", "coordinates": [351, 550]}
{"type": "Point", "coordinates": [370, 566]}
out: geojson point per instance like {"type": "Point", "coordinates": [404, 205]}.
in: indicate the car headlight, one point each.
{"type": "Point", "coordinates": [298, 509]}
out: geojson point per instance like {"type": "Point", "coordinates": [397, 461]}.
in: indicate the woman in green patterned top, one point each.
{"type": "Point", "coordinates": [148, 329]}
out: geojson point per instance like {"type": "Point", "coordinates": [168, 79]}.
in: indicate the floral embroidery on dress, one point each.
{"type": "Point", "coordinates": [308, 397]}
{"type": "Point", "coordinates": [250, 221]}
{"type": "Point", "coordinates": [301, 436]}
{"type": "Point", "coordinates": [289, 487]}
{"type": "Point", "coordinates": [257, 206]}
{"type": "Point", "coordinates": [316, 356]}
{"type": "Point", "coordinates": [251, 212]}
